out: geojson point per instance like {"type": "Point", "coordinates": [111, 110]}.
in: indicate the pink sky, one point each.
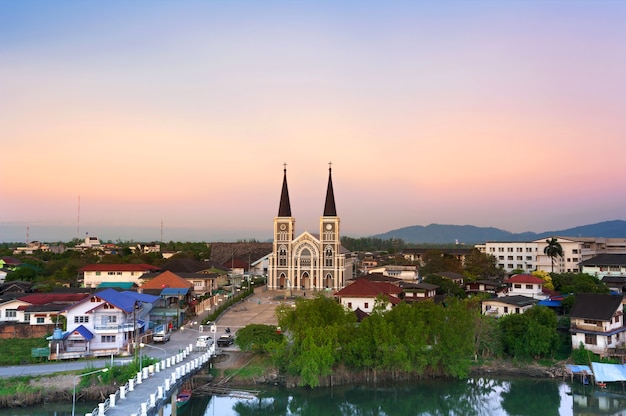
{"type": "Point", "coordinates": [503, 114]}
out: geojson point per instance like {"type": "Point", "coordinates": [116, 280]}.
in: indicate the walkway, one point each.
{"type": "Point", "coordinates": [154, 387]}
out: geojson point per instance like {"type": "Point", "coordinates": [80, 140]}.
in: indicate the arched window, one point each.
{"type": "Point", "coordinates": [282, 256]}
{"type": "Point", "coordinates": [328, 256]}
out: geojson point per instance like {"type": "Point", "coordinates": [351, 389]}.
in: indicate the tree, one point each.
{"type": "Point", "coordinates": [553, 250]}
{"type": "Point", "coordinates": [482, 265]}
{"type": "Point", "coordinates": [436, 261]}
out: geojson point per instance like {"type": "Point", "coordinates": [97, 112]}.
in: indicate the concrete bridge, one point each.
{"type": "Point", "coordinates": [155, 386]}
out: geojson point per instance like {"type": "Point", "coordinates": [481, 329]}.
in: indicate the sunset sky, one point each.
{"type": "Point", "coordinates": [510, 114]}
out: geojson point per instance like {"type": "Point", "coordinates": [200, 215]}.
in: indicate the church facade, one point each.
{"type": "Point", "coordinates": [307, 262]}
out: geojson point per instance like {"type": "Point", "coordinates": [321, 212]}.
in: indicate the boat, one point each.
{"type": "Point", "coordinates": [182, 398]}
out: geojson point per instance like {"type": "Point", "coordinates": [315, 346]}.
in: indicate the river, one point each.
{"type": "Point", "coordinates": [472, 397]}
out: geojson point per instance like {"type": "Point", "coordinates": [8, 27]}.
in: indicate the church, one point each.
{"type": "Point", "coordinates": [308, 262]}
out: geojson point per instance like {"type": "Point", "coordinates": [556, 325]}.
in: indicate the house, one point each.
{"type": "Point", "coordinates": [409, 273]}
{"type": "Point", "coordinates": [417, 255]}
{"type": "Point", "coordinates": [15, 286]}
{"type": "Point", "coordinates": [44, 308]}
{"type": "Point", "coordinates": [205, 276]}
{"type": "Point", "coordinates": [493, 287]}
{"type": "Point", "coordinates": [597, 322]}
{"type": "Point", "coordinates": [175, 294]}
{"type": "Point", "coordinates": [94, 274]}
{"type": "Point", "coordinates": [616, 284]}
{"type": "Point", "coordinates": [415, 292]}
{"type": "Point", "coordinates": [362, 294]}
{"type": "Point", "coordinates": [455, 277]}
{"type": "Point", "coordinates": [605, 265]}
{"type": "Point", "coordinates": [526, 285]}
{"type": "Point", "coordinates": [9, 263]}
{"type": "Point", "coordinates": [105, 323]}
{"type": "Point", "coordinates": [506, 305]}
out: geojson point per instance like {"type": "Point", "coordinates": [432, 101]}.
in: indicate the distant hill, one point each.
{"type": "Point", "coordinates": [469, 234]}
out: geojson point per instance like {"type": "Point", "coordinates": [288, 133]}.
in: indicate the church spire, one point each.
{"type": "Point", "coordinates": [284, 210]}
{"type": "Point", "coordinates": [329, 206]}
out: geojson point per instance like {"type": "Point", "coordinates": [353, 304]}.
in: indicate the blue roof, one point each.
{"type": "Point", "coordinates": [81, 330]}
{"type": "Point", "coordinates": [175, 291]}
{"type": "Point", "coordinates": [550, 303]}
{"type": "Point", "coordinates": [609, 372]}
{"type": "Point", "coordinates": [125, 300]}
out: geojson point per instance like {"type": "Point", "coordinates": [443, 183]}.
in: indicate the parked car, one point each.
{"type": "Point", "coordinates": [204, 341]}
{"type": "Point", "coordinates": [161, 334]}
{"type": "Point", "coordinates": [225, 340]}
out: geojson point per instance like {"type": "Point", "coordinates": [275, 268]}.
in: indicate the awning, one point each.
{"type": "Point", "coordinates": [174, 291]}
{"type": "Point", "coordinates": [79, 331]}
{"type": "Point", "coordinates": [609, 372]}
{"type": "Point", "coordinates": [121, 285]}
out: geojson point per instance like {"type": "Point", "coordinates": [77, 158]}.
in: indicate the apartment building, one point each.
{"type": "Point", "coordinates": [529, 255]}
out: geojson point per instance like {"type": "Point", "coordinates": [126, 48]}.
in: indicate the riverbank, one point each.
{"type": "Point", "coordinates": [31, 391]}
{"type": "Point", "coordinates": [344, 376]}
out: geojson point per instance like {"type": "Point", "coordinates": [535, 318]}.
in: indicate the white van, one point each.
{"type": "Point", "coordinates": [204, 341]}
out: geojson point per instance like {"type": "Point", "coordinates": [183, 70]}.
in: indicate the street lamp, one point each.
{"type": "Point", "coordinates": [164, 355]}
{"type": "Point", "coordinates": [102, 370]}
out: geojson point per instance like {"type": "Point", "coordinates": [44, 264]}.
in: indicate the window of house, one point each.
{"type": "Point", "coordinates": [506, 309]}
{"type": "Point", "coordinates": [509, 258]}
{"type": "Point", "coordinates": [11, 313]}
{"type": "Point", "coordinates": [529, 258]}
{"type": "Point", "coordinates": [575, 251]}
{"type": "Point", "coordinates": [40, 320]}
{"type": "Point", "coordinates": [367, 305]}
{"type": "Point", "coordinates": [107, 338]}
{"type": "Point", "coordinates": [609, 340]}
{"type": "Point", "coordinates": [500, 249]}
{"type": "Point", "coordinates": [517, 310]}
{"type": "Point", "coordinates": [97, 273]}
{"type": "Point", "coordinates": [509, 249]}
{"type": "Point", "coordinates": [350, 305]}
{"type": "Point", "coordinates": [590, 339]}
{"type": "Point", "coordinates": [575, 259]}
{"type": "Point", "coordinates": [500, 257]}
{"type": "Point", "coordinates": [81, 319]}
{"type": "Point", "coordinates": [26, 317]}
{"type": "Point", "coordinates": [519, 266]}
{"type": "Point", "coordinates": [510, 266]}
{"type": "Point", "coordinates": [529, 287]}
{"type": "Point", "coordinates": [517, 285]}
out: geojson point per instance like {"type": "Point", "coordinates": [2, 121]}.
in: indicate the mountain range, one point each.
{"type": "Point", "coordinates": [469, 234]}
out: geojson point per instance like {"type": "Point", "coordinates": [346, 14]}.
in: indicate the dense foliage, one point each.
{"type": "Point", "coordinates": [258, 337]}
{"type": "Point", "coordinates": [420, 338]}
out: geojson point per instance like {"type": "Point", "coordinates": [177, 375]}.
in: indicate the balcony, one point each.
{"type": "Point", "coordinates": [101, 329]}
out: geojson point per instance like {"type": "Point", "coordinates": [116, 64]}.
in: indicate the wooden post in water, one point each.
{"type": "Point", "coordinates": [174, 394]}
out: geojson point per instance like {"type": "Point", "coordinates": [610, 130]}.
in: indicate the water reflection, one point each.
{"type": "Point", "coordinates": [473, 397]}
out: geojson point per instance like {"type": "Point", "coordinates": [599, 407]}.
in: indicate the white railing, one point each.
{"type": "Point", "coordinates": [162, 390]}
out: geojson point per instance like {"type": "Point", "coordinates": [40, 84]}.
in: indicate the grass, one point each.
{"type": "Point", "coordinates": [255, 369]}
{"type": "Point", "coordinates": [12, 385]}
{"type": "Point", "coordinates": [18, 351]}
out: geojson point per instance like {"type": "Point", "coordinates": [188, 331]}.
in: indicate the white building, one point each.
{"type": "Point", "coordinates": [529, 255]}
{"type": "Point", "coordinates": [94, 274]}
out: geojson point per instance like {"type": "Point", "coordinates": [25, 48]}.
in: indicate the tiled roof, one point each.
{"type": "Point", "coordinates": [366, 289]}
{"type": "Point", "coordinates": [525, 278]}
{"type": "Point", "coordinates": [596, 306]}
{"type": "Point", "coordinates": [44, 298]}
{"type": "Point", "coordinates": [167, 279]}
{"type": "Point", "coordinates": [606, 260]}
{"type": "Point", "coordinates": [517, 300]}
{"type": "Point", "coordinates": [103, 267]}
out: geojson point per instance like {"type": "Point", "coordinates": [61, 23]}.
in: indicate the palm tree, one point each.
{"type": "Point", "coordinates": [553, 250]}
